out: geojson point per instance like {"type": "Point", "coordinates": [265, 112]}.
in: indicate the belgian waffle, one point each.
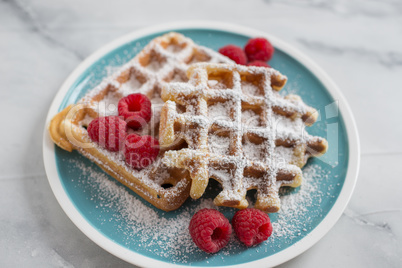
{"type": "Point", "coordinates": [163, 60]}
{"type": "Point", "coordinates": [210, 117]}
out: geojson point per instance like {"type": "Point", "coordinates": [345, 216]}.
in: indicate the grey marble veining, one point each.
{"type": "Point", "coordinates": [389, 59]}
{"type": "Point", "coordinates": [358, 43]}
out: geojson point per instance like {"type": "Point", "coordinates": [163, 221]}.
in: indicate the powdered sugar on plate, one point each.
{"type": "Point", "coordinates": [295, 206]}
{"type": "Point", "coordinates": [165, 234]}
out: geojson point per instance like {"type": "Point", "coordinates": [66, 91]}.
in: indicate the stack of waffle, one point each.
{"type": "Point", "coordinates": [219, 120]}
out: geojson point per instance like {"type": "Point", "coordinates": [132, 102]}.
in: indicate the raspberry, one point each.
{"type": "Point", "coordinates": [108, 131]}
{"type": "Point", "coordinates": [258, 63]}
{"type": "Point", "coordinates": [259, 49]}
{"type": "Point", "coordinates": [252, 226]}
{"type": "Point", "coordinates": [140, 151]}
{"type": "Point", "coordinates": [210, 230]}
{"type": "Point", "coordinates": [234, 53]}
{"type": "Point", "coordinates": [136, 110]}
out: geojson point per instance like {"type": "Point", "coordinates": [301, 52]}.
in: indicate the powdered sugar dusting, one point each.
{"type": "Point", "coordinates": [154, 66]}
{"type": "Point", "coordinates": [166, 234]}
{"type": "Point", "coordinates": [219, 110]}
{"type": "Point", "coordinates": [250, 119]}
{"type": "Point", "coordinates": [253, 151]}
{"type": "Point", "coordinates": [131, 86]}
{"type": "Point", "coordinates": [250, 89]}
{"type": "Point", "coordinates": [151, 231]}
{"type": "Point", "coordinates": [284, 153]}
{"type": "Point", "coordinates": [218, 144]}
{"type": "Point", "coordinates": [215, 84]}
{"type": "Point", "coordinates": [295, 206]}
{"type": "Point", "coordinates": [108, 105]}
{"type": "Point", "coordinates": [293, 129]}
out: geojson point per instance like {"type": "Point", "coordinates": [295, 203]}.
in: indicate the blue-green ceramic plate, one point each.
{"type": "Point", "coordinates": [98, 204]}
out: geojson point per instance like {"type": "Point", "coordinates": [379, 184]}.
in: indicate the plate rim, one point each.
{"type": "Point", "coordinates": [138, 259]}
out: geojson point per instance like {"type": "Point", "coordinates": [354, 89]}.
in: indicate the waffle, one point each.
{"type": "Point", "coordinates": [163, 60]}
{"type": "Point", "coordinates": [234, 127]}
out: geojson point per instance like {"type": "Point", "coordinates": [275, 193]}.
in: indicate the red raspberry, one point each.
{"type": "Point", "coordinates": [258, 63]}
{"type": "Point", "coordinates": [259, 49]}
{"type": "Point", "coordinates": [252, 226]}
{"type": "Point", "coordinates": [210, 230]}
{"type": "Point", "coordinates": [234, 53]}
{"type": "Point", "coordinates": [136, 110]}
{"type": "Point", "coordinates": [108, 131]}
{"type": "Point", "coordinates": [140, 151]}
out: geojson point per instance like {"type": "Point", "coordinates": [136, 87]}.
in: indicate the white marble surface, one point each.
{"type": "Point", "coordinates": [359, 44]}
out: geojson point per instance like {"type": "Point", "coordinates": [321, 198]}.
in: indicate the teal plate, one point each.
{"type": "Point", "coordinates": [329, 178]}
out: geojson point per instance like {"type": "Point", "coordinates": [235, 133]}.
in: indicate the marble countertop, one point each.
{"type": "Point", "coordinates": [358, 43]}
